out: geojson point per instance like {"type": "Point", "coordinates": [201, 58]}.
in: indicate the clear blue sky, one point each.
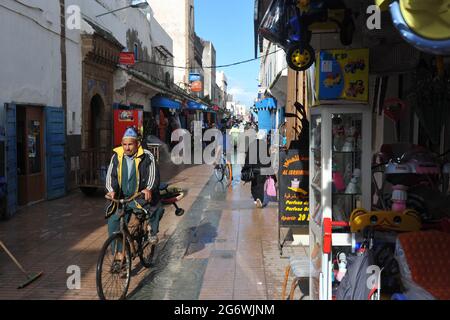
{"type": "Point", "coordinates": [228, 24]}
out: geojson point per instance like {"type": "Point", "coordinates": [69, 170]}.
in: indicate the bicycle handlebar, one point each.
{"type": "Point", "coordinates": [124, 201]}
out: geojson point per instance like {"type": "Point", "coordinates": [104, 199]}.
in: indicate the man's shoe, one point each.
{"type": "Point", "coordinates": [259, 203]}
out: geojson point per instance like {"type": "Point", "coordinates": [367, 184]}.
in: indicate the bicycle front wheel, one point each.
{"type": "Point", "coordinates": [113, 273]}
{"type": "Point", "coordinates": [146, 251]}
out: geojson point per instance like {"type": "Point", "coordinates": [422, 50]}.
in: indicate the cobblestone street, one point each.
{"type": "Point", "coordinates": [223, 248]}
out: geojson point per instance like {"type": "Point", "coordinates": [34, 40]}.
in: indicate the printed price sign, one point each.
{"type": "Point", "coordinates": [294, 188]}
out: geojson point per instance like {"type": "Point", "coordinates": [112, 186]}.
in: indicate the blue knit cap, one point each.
{"type": "Point", "coordinates": [130, 133]}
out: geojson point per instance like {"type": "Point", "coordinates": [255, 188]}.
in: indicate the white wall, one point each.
{"type": "Point", "coordinates": [209, 59]}
{"type": "Point", "coordinates": [273, 62]}
{"type": "Point", "coordinates": [30, 52]}
{"type": "Point", "coordinates": [172, 16]}
{"type": "Point", "coordinates": [150, 33]}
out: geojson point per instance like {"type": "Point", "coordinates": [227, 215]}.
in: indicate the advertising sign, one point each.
{"type": "Point", "coordinates": [343, 75]}
{"type": "Point", "coordinates": [124, 119]}
{"type": "Point", "coordinates": [127, 58]}
{"type": "Point", "coordinates": [294, 188]}
{"type": "Point", "coordinates": [195, 81]}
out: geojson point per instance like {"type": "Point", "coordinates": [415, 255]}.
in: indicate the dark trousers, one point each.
{"type": "Point", "coordinates": [154, 219]}
{"type": "Point", "coordinates": [258, 187]}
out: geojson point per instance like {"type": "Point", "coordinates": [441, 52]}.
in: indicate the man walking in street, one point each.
{"type": "Point", "coordinates": [133, 169]}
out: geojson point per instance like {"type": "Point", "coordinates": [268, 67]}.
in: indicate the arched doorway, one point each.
{"type": "Point", "coordinates": [95, 119]}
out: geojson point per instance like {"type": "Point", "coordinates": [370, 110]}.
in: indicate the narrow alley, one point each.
{"type": "Point", "coordinates": [223, 247]}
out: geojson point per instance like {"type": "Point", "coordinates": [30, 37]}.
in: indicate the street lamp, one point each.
{"type": "Point", "coordinates": [138, 4]}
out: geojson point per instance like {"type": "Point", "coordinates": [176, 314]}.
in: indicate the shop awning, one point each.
{"type": "Point", "coordinates": [266, 104]}
{"type": "Point", "coordinates": [192, 105]}
{"type": "Point", "coordinates": [164, 102]}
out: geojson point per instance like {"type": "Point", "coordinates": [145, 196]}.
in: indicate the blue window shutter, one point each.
{"type": "Point", "coordinates": [11, 163]}
{"type": "Point", "coordinates": [264, 120]}
{"type": "Point", "coordinates": [55, 159]}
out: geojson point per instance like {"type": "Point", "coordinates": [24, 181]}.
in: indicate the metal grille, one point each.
{"type": "Point", "coordinates": [154, 149]}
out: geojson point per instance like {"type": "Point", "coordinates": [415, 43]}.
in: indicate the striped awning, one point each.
{"type": "Point", "coordinates": [266, 104]}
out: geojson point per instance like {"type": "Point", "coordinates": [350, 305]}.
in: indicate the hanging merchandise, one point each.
{"type": "Point", "coordinates": [429, 98]}
{"type": "Point", "coordinates": [423, 24]}
{"type": "Point", "coordinates": [290, 23]}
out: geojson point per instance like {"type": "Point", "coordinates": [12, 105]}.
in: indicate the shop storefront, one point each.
{"type": "Point", "coordinates": [167, 114]}
{"type": "Point", "coordinates": [378, 120]}
{"type": "Point", "coordinates": [196, 113]}
{"type": "Point", "coordinates": [32, 155]}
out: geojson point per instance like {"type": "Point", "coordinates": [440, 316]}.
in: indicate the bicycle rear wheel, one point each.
{"type": "Point", "coordinates": [228, 174]}
{"type": "Point", "coordinates": [219, 172]}
{"type": "Point", "coordinates": [113, 275]}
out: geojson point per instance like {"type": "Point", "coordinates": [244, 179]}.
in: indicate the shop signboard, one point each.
{"type": "Point", "coordinates": [342, 75]}
{"type": "Point", "coordinates": [127, 58]}
{"type": "Point", "coordinates": [294, 188]}
{"type": "Point", "coordinates": [195, 81]}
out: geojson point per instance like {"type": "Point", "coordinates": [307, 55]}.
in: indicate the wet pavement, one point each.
{"type": "Point", "coordinates": [222, 248]}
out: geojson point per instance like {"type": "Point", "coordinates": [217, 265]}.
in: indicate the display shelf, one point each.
{"type": "Point", "coordinates": [337, 171]}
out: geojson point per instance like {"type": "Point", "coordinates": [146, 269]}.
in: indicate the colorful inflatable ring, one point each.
{"type": "Point", "coordinates": [430, 45]}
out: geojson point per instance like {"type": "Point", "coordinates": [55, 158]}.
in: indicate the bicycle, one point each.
{"type": "Point", "coordinates": [134, 243]}
{"type": "Point", "coordinates": [224, 170]}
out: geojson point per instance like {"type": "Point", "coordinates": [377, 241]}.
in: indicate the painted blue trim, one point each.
{"type": "Point", "coordinates": [192, 105]}
{"type": "Point", "coordinates": [11, 158]}
{"type": "Point", "coordinates": [437, 47]}
{"type": "Point", "coordinates": [163, 102]}
{"type": "Point", "coordinates": [265, 120]}
{"type": "Point", "coordinates": [55, 141]}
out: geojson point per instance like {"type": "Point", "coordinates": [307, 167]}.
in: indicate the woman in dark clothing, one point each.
{"type": "Point", "coordinates": [259, 179]}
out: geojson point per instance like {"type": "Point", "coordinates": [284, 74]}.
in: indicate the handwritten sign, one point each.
{"type": "Point", "coordinates": [294, 188]}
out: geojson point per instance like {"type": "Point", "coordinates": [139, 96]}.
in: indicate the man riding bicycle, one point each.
{"type": "Point", "coordinates": [133, 169]}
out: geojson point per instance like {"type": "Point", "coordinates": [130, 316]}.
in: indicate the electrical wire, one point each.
{"type": "Point", "coordinates": [209, 67]}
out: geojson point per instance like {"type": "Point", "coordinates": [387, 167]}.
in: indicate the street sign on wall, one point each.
{"type": "Point", "coordinates": [127, 58]}
{"type": "Point", "coordinates": [294, 188]}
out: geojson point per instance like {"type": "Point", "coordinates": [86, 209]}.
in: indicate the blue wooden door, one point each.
{"type": "Point", "coordinates": [11, 156]}
{"type": "Point", "coordinates": [55, 159]}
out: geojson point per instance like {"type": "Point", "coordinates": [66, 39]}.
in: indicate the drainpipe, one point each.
{"type": "Point", "coordinates": [62, 5]}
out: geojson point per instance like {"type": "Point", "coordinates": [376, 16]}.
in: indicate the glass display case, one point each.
{"type": "Point", "coordinates": [340, 181]}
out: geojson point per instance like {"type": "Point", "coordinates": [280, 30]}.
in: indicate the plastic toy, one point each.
{"type": "Point", "coordinates": [338, 134]}
{"type": "Point", "coordinates": [405, 221]}
{"type": "Point", "coordinates": [289, 24]}
{"type": "Point", "coordinates": [424, 24]}
{"type": "Point", "coordinates": [338, 180]}
{"type": "Point", "coordinates": [349, 145]}
{"type": "Point", "coordinates": [353, 187]}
